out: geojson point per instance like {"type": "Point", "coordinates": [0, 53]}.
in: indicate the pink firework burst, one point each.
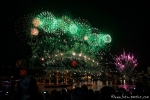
{"type": "Point", "coordinates": [125, 63]}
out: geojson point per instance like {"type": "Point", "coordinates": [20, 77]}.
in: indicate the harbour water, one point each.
{"type": "Point", "coordinates": [94, 85]}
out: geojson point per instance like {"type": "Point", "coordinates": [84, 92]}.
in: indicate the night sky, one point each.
{"type": "Point", "coordinates": [126, 21]}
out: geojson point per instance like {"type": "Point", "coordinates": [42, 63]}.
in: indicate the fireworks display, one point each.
{"type": "Point", "coordinates": [61, 41]}
{"type": "Point", "coordinates": [125, 63]}
{"type": "Point", "coordinates": [75, 30]}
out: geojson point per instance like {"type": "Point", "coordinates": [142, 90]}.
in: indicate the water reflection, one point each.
{"type": "Point", "coordinates": [94, 85]}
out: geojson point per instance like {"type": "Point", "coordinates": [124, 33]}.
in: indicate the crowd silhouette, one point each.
{"type": "Point", "coordinates": [27, 89]}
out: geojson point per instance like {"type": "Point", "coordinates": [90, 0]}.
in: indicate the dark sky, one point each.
{"type": "Point", "coordinates": [128, 23]}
